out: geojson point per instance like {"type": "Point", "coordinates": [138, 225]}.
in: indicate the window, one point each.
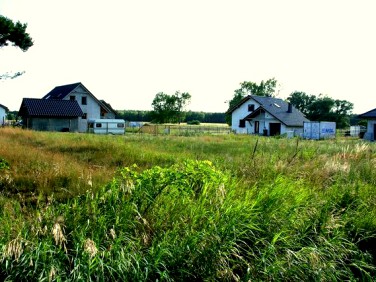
{"type": "Point", "coordinates": [72, 98]}
{"type": "Point", "coordinates": [120, 125]}
{"type": "Point", "coordinates": [98, 125]}
{"type": "Point", "coordinates": [84, 116]}
{"type": "Point", "coordinates": [251, 107]}
{"type": "Point", "coordinates": [84, 100]}
{"type": "Point", "coordinates": [242, 123]}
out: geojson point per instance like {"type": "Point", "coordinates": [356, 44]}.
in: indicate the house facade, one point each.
{"type": "Point", "coordinates": [266, 116]}
{"type": "Point", "coordinates": [3, 114]}
{"type": "Point", "coordinates": [91, 107]}
{"type": "Point", "coordinates": [370, 116]}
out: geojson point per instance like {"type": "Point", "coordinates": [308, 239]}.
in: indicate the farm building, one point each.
{"type": "Point", "coordinates": [50, 115]}
{"type": "Point", "coordinates": [370, 116]}
{"type": "Point", "coordinates": [90, 106]}
{"type": "Point", "coordinates": [3, 114]}
{"type": "Point", "coordinates": [266, 116]}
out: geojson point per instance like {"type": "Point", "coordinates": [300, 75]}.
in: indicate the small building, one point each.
{"type": "Point", "coordinates": [370, 116]}
{"type": "Point", "coordinates": [266, 116]}
{"type": "Point", "coordinates": [319, 130]}
{"type": "Point", "coordinates": [3, 114]}
{"type": "Point", "coordinates": [50, 115]}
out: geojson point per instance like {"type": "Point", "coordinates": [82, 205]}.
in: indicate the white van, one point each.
{"type": "Point", "coordinates": [106, 126]}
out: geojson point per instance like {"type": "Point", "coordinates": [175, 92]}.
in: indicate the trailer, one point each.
{"type": "Point", "coordinates": [106, 126]}
{"type": "Point", "coordinates": [319, 130]}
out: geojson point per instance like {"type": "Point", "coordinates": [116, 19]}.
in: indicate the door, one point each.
{"type": "Point", "coordinates": [374, 131]}
{"type": "Point", "coordinates": [274, 129]}
{"type": "Point", "coordinates": [257, 127]}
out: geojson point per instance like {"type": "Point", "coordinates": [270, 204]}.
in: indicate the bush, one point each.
{"type": "Point", "coordinates": [193, 122]}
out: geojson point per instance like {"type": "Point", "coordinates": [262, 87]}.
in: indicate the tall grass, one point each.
{"type": "Point", "coordinates": [231, 208]}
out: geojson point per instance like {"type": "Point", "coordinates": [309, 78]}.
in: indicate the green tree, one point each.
{"type": "Point", "coordinates": [265, 88]}
{"type": "Point", "coordinates": [169, 108]}
{"type": "Point", "coordinates": [301, 101]}
{"type": "Point", "coordinates": [16, 35]}
{"type": "Point", "coordinates": [322, 108]}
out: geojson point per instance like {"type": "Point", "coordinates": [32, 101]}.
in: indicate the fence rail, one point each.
{"type": "Point", "coordinates": [179, 130]}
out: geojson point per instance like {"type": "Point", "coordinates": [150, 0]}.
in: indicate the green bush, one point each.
{"type": "Point", "coordinates": [194, 122]}
{"type": "Point", "coordinates": [189, 221]}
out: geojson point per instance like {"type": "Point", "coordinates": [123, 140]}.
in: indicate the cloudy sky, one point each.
{"type": "Point", "coordinates": [126, 51]}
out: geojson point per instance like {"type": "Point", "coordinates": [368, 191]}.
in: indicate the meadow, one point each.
{"type": "Point", "coordinates": [79, 207]}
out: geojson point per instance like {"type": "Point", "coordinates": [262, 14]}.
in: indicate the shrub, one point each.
{"type": "Point", "coordinates": [194, 122]}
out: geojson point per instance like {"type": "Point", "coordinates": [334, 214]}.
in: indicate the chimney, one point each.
{"type": "Point", "coordinates": [289, 109]}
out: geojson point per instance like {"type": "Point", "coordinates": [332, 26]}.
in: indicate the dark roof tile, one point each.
{"type": "Point", "coordinates": [49, 108]}
{"type": "Point", "coordinates": [59, 92]}
{"type": "Point", "coordinates": [369, 114]}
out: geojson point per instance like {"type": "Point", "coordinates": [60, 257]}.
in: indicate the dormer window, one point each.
{"type": "Point", "coordinates": [251, 107]}
{"type": "Point", "coordinates": [72, 98]}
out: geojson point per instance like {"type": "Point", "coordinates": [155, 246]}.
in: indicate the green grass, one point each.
{"type": "Point", "coordinates": [77, 207]}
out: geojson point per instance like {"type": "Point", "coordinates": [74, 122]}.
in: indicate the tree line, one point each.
{"type": "Point", "coordinates": [187, 116]}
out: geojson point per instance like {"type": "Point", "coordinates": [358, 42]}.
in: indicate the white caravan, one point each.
{"type": "Point", "coordinates": [106, 126]}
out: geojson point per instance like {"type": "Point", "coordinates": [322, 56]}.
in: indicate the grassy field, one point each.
{"type": "Point", "coordinates": [78, 207]}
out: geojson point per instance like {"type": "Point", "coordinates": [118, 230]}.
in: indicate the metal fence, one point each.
{"type": "Point", "coordinates": [179, 130]}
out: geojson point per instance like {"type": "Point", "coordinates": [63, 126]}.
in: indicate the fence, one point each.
{"type": "Point", "coordinates": [179, 130]}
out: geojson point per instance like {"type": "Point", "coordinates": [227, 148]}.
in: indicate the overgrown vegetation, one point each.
{"type": "Point", "coordinates": [231, 208]}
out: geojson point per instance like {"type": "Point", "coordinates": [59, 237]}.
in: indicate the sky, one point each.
{"type": "Point", "coordinates": [126, 52]}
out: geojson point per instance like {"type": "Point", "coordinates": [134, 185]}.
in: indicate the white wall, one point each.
{"type": "Point", "coordinates": [3, 115]}
{"type": "Point", "coordinates": [91, 109]}
{"type": "Point", "coordinates": [369, 135]}
{"type": "Point", "coordinates": [241, 113]}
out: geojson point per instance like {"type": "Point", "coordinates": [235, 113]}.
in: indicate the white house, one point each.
{"type": "Point", "coordinates": [91, 107]}
{"type": "Point", "coordinates": [64, 108]}
{"type": "Point", "coordinates": [266, 116]}
{"type": "Point", "coordinates": [370, 116]}
{"type": "Point", "coordinates": [3, 114]}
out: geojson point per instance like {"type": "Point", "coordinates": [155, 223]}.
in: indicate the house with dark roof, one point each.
{"type": "Point", "coordinates": [91, 107]}
{"type": "Point", "coordinates": [50, 115]}
{"type": "Point", "coordinates": [370, 116]}
{"type": "Point", "coordinates": [3, 113]}
{"type": "Point", "coordinates": [266, 116]}
{"type": "Point", "coordinates": [71, 102]}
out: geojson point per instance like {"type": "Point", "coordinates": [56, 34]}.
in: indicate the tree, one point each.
{"type": "Point", "coordinates": [14, 33]}
{"type": "Point", "coordinates": [265, 88]}
{"type": "Point", "coordinates": [301, 101]}
{"type": "Point", "coordinates": [169, 108]}
{"type": "Point", "coordinates": [322, 108]}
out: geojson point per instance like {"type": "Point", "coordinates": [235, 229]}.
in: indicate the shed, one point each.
{"type": "Point", "coordinates": [370, 116]}
{"type": "Point", "coordinates": [50, 115]}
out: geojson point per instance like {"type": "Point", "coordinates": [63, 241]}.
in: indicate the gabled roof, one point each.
{"type": "Point", "coordinates": [49, 108]}
{"type": "Point", "coordinates": [108, 106]}
{"type": "Point", "coordinates": [276, 107]}
{"type": "Point", "coordinates": [369, 114]}
{"type": "Point", "coordinates": [5, 108]}
{"type": "Point", "coordinates": [59, 92]}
